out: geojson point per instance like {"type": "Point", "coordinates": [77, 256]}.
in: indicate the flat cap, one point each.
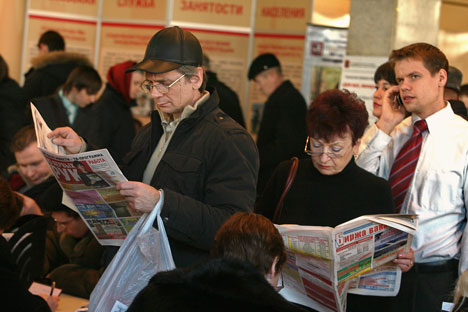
{"type": "Point", "coordinates": [454, 78]}
{"type": "Point", "coordinates": [169, 49]}
{"type": "Point", "coordinates": [261, 63]}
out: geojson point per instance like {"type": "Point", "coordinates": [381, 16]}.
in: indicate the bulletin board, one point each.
{"type": "Point", "coordinates": [232, 33]}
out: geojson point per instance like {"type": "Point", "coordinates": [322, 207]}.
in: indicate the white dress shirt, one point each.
{"type": "Point", "coordinates": [437, 191]}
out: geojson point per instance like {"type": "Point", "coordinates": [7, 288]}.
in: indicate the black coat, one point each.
{"type": "Point", "coordinates": [217, 285]}
{"type": "Point", "coordinates": [50, 71]}
{"type": "Point", "coordinates": [282, 132]}
{"type": "Point", "coordinates": [208, 173]}
{"type": "Point", "coordinates": [13, 108]}
{"type": "Point", "coordinates": [228, 99]}
{"type": "Point", "coordinates": [116, 127]}
{"type": "Point", "coordinates": [55, 115]}
{"type": "Point", "coordinates": [13, 295]}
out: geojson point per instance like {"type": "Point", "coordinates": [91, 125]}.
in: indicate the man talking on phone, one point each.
{"type": "Point", "coordinates": [425, 159]}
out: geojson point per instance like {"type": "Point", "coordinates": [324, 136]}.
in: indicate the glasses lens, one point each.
{"type": "Point", "coordinates": [161, 88]}
{"type": "Point", "coordinates": [146, 86]}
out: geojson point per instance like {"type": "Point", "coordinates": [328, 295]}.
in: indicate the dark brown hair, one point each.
{"type": "Point", "coordinates": [53, 40]}
{"type": "Point", "coordinates": [83, 77]}
{"type": "Point", "coordinates": [23, 138]}
{"type": "Point", "coordinates": [432, 58]}
{"type": "Point", "coordinates": [385, 72]}
{"type": "Point", "coordinates": [250, 237]}
{"type": "Point", "coordinates": [334, 112]}
{"type": "Point", "coordinates": [10, 205]}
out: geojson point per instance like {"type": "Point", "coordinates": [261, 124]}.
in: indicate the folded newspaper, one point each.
{"type": "Point", "coordinates": [325, 264]}
{"type": "Point", "coordinates": [88, 181]}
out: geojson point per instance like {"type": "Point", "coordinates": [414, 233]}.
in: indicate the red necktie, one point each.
{"type": "Point", "coordinates": [405, 163]}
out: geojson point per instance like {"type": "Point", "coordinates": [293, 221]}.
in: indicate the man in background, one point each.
{"type": "Point", "coordinates": [452, 91]}
{"type": "Point", "coordinates": [282, 132]}
{"type": "Point", "coordinates": [228, 99]}
{"type": "Point", "coordinates": [464, 94]}
{"type": "Point", "coordinates": [70, 107]}
{"type": "Point", "coordinates": [51, 67]}
{"type": "Point", "coordinates": [83, 270]}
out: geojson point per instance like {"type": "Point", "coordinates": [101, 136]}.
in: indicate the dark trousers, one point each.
{"type": "Point", "coordinates": [426, 286]}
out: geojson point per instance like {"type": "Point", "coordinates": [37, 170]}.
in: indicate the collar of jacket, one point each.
{"type": "Point", "coordinates": [281, 89]}
{"type": "Point", "coordinates": [57, 57]}
{"type": "Point", "coordinates": [186, 124]}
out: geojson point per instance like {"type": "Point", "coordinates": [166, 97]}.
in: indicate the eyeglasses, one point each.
{"type": "Point", "coordinates": [317, 149]}
{"type": "Point", "coordinates": [280, 284]}
{"type": "Point", "coordinates": [148, 86]}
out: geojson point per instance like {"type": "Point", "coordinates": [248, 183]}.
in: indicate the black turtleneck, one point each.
{"type": "Point", "coordinates": [325, 200]}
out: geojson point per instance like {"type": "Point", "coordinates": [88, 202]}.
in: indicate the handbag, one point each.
{"type": "Point", "coordinates": [287, 186]}
{"type": "Point", "coordinates": [143, 253]}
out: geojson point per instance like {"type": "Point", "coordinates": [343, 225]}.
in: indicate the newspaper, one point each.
{"type": "Point", "coordinates": [325, 264]}
{"type": "Point", "coordinates": [88, 181]}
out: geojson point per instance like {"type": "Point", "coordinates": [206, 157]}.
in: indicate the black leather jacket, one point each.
{"type": "Point", "coordinates": [208, 172]}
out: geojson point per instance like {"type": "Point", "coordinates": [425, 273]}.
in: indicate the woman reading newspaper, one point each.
{"type": "Point", "coordinates": [329, 188]}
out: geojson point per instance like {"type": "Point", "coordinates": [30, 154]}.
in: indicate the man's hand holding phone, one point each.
{"type": "Point", "coordinates": [393, 110]}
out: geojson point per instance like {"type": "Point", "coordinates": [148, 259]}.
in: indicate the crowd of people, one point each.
{"type": "Point", "coordinates": [220, 189]}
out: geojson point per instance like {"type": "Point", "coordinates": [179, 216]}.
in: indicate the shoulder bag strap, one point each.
{"type": "Point", "coordinates": [287, 186]}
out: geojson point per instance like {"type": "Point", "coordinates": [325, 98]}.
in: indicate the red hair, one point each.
{"type": "Point", "coordinates": [334, 113]}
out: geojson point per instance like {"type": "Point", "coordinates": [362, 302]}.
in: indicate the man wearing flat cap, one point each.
{"type": "Point", "coordinates": [452, 91]}
{"type": "Point", "coordinates": [282, 132]}
{"type": "Point", "coordinates": [192, 156]}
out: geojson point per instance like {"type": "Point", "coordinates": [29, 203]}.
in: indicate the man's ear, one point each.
{"type": "Point", "coordinates": [272, 271]}
{"type": "Point", "coordinates": [442, 77]}
{"type": "Point", "coordinates": [43, 48]}
{"type": "Point", "coordinates": [197, 79]}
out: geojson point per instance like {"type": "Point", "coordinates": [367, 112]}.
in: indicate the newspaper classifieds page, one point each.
{"type": "Point", "coordinates": [88, 181]}
{"type": "Point", "coordinates": [396, 236]}
{"type": "Point", "coordinates": [308, 269]}
{"type": "Point", "coordinates": [325, 263]}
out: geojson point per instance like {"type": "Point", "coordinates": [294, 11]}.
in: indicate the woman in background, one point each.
{"type": "Point", "coordinates": [384, 79]}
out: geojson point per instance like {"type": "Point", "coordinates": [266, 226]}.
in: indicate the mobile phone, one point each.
{"type": "Point", "coordinates": [399, 100]}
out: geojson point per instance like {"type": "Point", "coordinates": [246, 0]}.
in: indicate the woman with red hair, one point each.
{"type": "Point", "coordinates": [329, 188]}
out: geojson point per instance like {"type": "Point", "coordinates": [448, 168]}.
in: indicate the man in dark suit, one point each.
{"type": "Point", "coordinates": [282, 132]}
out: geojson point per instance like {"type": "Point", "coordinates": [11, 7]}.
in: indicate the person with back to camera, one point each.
{"type": "Point", "coordinates": [194, 158]}
{"type": "Point", "coordinates": [282, 127]}
{"type": "Point", "coordinates": [247, 258]}
{"type": "Point", "coordinates": [425, 159]}
{"type": "Point", "coordinates": [228, 98]}
{"type": "Point", "coordinates": [14, 296]}
{"type": "Point", "coordinates": [329, 188]}
{"type": "Point", "coordinates": [116, 126]}
{"type": "Point", "coordinates": [51, 67]}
